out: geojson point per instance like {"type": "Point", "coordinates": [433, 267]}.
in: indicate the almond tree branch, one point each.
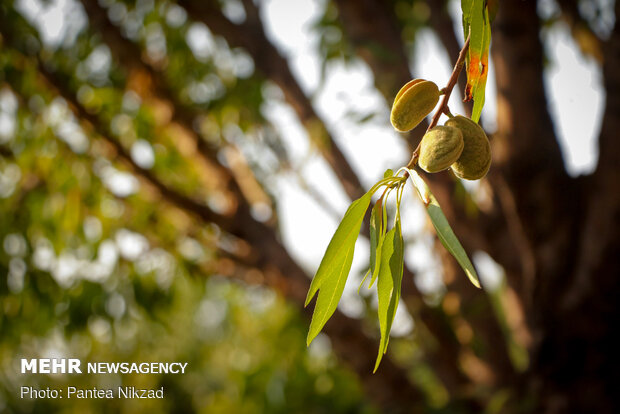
{"type": "Point", "coordinates": [391, 70]}
{"type": "Point", "coordinates": [443, 106]}
{"type": "Point", "coordinates": [353, 15]}
{"type": "Point", "coordinates": [479, 232]}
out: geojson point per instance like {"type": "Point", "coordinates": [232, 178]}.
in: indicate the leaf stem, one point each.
{"type": "Point", "coordinates": [443, 106]}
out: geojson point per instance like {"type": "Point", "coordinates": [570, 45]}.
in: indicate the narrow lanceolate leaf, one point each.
{"type": "Point", "coordinates": [442, 227]}
{"type": "Point", "coordinates": [483, 69]}
{"type": "Point", "coordinates": [362, 282]}
{"type": "Point", "coordinates": [376, 216]}
{"type": "Point", "coordinates": [389, 285]}
{"type": "Point", "coordinates": [476, 25]}
{"type": "Point", "coordinates": [375, 232]}
{"type": "Point", "coordinates": [377, 235]}
{"type": "Point", "coordinates": [334, 269]}
{"type": "Point", "coordinates": [466, 9]}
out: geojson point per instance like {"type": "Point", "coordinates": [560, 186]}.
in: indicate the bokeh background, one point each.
{"type": "Point", "coordinates": [171, 174]}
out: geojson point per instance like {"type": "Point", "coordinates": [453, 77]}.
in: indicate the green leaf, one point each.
{"type": "Point", "coordinates": [466, 8]}
{"type": "Point", "coordinates": [389, 284]}
{"type": "Point", "coordinates": [375, 232]}
{"type": "Point", "coordinates": [442, 227]}
{"type": "Point", "coordinates": [479, 95]}
{"type": "Point", "coordinates": [376, 216]}
{"type": "Point", "coordinates": [363, 280]}
{"type": "Point", "coordinates": [334, 269]}
{"type": "Point", "coordinates": [377, 235]}
{"type": "Point", "coordinates": [476, 24]}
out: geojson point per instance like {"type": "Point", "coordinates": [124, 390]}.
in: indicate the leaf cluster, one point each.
{"type": "Point", "coordinates": [386, 253]}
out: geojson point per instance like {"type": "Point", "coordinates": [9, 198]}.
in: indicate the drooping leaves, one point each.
{"type": "Point", "coordinates": [377, 233]}
{"type": "Point", "coordinates": [443, 229]}
{"type": "Point", "coordinates": [476, 24]}
{"type": "Point", "coordinates": [389, 284]}
{"type": "Point", "coordinates": [376, 237]}
{"type": "Point", "coordinates": [335, 266]}
{"type": "Point", "coordinates": [334, 269]}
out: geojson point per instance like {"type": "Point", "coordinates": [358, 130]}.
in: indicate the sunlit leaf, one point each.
{"type": "Point", "coordinates": [442, 227]}
{"type": "Point", "coordinates": [476, 25]}
{"type": "Point", "coordinates": [377, 235]}
{"type": "Point", "coordinates": [376, 216]}
{"type": "Point", "coordinates": [334, 269]}
{"type": "Point", "coordinates": [375, 232]}
{"type": "Point", "coordinates": [363, 280]}
{"type": "Point", "coordinates": [389, 284]}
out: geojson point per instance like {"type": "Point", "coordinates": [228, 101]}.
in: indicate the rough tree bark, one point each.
{"type": "Point", "coordinates": [570, 225]}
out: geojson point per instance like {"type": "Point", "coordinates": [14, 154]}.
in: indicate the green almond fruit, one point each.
{"type": "Point", "coordinates": [413, 102]}
{"type": "Point", "coordinates": [475, 160]}
{"type": "Point", "coordinates": [440, 148]}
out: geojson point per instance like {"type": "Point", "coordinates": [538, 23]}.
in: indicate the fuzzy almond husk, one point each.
{"type": "Point", "coordinates": [475, 160]}
{"type": "Point", "coordinates": [440, 148]}
{"type": "Point", "coordinates": [414, 101]}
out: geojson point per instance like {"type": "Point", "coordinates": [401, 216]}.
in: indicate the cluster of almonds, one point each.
{"type": "Point", "coordinates": [460, 143]}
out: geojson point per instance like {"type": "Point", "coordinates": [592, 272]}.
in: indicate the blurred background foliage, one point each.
{"type": "Point", "coordinates": [95, 267]}
{"type": "Point", "coordinates": [140, 213]}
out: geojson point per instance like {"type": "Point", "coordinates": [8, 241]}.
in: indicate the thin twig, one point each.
{"type": "Point", "coordinates": [443, 107]}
